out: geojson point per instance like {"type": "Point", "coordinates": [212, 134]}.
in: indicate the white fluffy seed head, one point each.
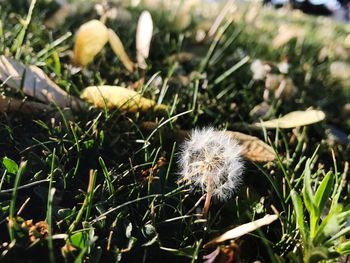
{"type": "Point", "coordinates": [211, 156]}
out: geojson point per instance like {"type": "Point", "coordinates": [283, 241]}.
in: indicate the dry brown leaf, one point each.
{"type": "Point", "coordinates": [36, 83]}
{"type": "Point", "coordinates": [242, 230]}
{"type": "Point", "coordinates": [90, 39]}
{"type": "Point", "coordinates": [116, 97]}
{"type": "Point", "coordinates": [294, 119]}
{"type": "Point", "coordinates": [144, 33]}
{"type": "Point", "coordinates": [252, 147]}
{"type": "Point", "coordinates": [119, 50]}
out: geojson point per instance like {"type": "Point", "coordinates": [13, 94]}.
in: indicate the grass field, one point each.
{"type": "Point", "coordinates": [101, 183]}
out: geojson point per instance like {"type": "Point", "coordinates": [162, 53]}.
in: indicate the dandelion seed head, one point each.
{"type": "Point", "coordinates": [211, 156]}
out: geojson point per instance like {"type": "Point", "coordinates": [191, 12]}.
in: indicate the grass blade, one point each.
{"type": "Point", "coordinates": [51, 193]}
{"type": "Point", "coordinates": [299, 213]}
{"type": "Point", "coordinates": [324, 191]}
{"type": "Point", "coordinates": [19, 174]}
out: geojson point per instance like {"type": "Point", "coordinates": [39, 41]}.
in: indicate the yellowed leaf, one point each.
{"type": "Point", "coordinates": [90, 39]}
{"type": "Point", "coordinates": [144, 33]}
{"type": "Point", "coordinates": [243, 230]}
{"type": "Point", "coordinates": [35, 83]}
{"type": "Point", "coordinates": [294, 119]}
{"type": "Point", "coordinates": [116, 97]}
{"type": "Point", "coordinates": [119, 50]}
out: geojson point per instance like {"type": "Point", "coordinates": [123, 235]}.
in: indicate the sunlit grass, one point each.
{"type": "Point", "coordinates": [107, 187]}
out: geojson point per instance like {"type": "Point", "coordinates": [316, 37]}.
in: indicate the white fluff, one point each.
{"type": "Point", "coordinates": [210, 155]}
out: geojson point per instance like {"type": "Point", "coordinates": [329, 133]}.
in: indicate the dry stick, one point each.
{"type": "Point", "coordinates": [196, 204]}
{"type": "Point", "coordinates": [109, 240]}
{"type": "Point", "coordinates": [23, 206]}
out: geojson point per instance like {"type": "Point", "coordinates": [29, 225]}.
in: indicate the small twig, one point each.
{"type": "Point", "coordinates": [109, 240]}
{"type": "Point", "coordinates": [196, 204]}
{"type": "Point", "coordinates": [103, 216]}
{"type": "Point", "coordinates": [24, 186]}
{"type": "Point", "coordinates": [23, 206]}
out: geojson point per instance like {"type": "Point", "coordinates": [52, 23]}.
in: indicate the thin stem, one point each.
{"type": "Point", "coordinates": [207, 198]}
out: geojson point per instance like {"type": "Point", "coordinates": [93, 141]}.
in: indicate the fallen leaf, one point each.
{"type": "Point", "coordinates": [252, 147]}
{"type": "Point", "coordinates": [116, 97]}
{"type": "Point", "coordinates": [118, 48]}
{"type": "Point", "coordinates": [34, 82]}
{"type": "Point", "coordinates": [294, 119]}
{"type": "Point", "coordinates": [144, 33]}
{"type": "Point", "coordinates": [242, 230]}
{"type": "Point", "coordinates": [340, 70]}
{"type": "Point", "coordinates": [90, 39]}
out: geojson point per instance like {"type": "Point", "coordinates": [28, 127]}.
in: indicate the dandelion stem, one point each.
{"type": "Point", "coordinates": [207, 198]}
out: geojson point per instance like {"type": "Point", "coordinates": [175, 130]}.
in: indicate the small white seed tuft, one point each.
{"type": "Point", "coordinates": [211, 157]}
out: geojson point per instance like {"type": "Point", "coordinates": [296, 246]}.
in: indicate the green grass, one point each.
{"type": "Point", "coordinates": [92, 175]}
